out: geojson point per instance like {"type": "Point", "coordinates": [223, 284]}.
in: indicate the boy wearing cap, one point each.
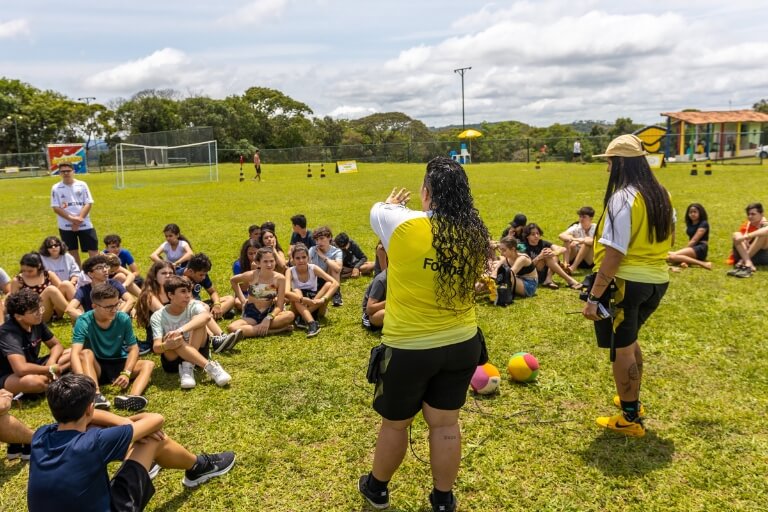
{"type": "Point", "coordinates": [71, 200]}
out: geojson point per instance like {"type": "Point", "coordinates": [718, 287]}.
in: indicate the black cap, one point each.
{"type": "Point", "coordinates": [519, 220]}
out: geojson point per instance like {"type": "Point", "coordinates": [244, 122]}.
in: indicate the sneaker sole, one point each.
{"type": "Point", "coordinates": [377, 506]}
{"type": "Point", "coordinates": [188, 385]}
{"type": "Point", "coordinates": [13, 456]}
{"type": "Point", "coordinates": [204, 478]}
{"type": "Point", "coordinates": [154, 471]}
{"type": "Point", "coordinates": [102, 406]}
{"type": "Point", "coordinates": [630, 431]}
{"type": "Point", "coordinates": [313, 334]}
{"type": "Point", "coordinates": [130, 403]}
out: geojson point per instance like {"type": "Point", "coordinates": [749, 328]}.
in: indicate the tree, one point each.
{"type": "Point", "coordinates": [761, 106]}
{"type": "Point", "coordinates": [150, 110]}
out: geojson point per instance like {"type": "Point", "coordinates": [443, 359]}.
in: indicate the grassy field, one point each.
{"type": "Point", "coordinates": [298, 411]}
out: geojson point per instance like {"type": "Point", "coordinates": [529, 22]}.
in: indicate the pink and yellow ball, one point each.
{"type": "Point", "coordinates": [486, 379]}
{"type": "Point", "coordinates": [523, 367]}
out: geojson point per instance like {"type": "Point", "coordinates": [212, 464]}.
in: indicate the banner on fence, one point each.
{"type": "Point", "coordinates": [346, 166]}
{"type": "Point", "coordinates": [70, 153]}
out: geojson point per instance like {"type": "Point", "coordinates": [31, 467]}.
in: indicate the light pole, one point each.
{"type": "Point", "coordinates": [461, 72]}
{"type": "Point", "coordinates": [87, 100]}
{"type": "Point", "coordinates": [16, 129]}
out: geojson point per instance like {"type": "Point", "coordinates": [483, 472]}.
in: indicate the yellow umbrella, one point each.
{"type": "Point", "coordinates": [470, 134]}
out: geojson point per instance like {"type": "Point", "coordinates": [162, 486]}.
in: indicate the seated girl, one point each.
{"type": "Point", "coordinates": [301, 290]}
{"type": "Point", "coordinates": [697, 229]}
{"type": "Point", "coordinates": [545, 256]}
{"type": "Point", "coordinates": [525, 278]}
{"type": "Point", "coordinates": [175, 249]}
{"type": "Point", "coordinates": [122, 274]}
{"type": "Point", "coordinates": [268, 239]}
{"type": "Point", "coordinates": [246, 262]}
{"type": "Point", "coordinates": [45, 283]}
{"type": "Point", "coordinates": [56, 258]}
{"type": "Point", "coordinates": [264, 307]}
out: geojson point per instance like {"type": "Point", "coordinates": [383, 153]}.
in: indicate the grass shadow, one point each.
{"type": "Point", "coordinates": [10, 469]}
{"type": "Point", "coordinates": [616, 455]}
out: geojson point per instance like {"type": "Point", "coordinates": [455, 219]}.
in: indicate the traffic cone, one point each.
{"type": "Point", "coordinates": [694, 171]}
{"type": "Point", "coordinates": [538, 164]}
{"type": "Point", "coordinates": [708, 169]}
{"type": "Point", "coordinates": [309, 170]}
{"type": "Point", "coordinates": [322, 171]}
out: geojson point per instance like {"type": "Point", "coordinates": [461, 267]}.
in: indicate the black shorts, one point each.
{"type": "Point", "coordinates": [635, 302]}
{"type": "Point", "coordinates": [576, 155]}
{"type": "Point", "coordinates": [438, 377]}
{"type": "Point", "coordinates": [701, 249]}
{"type": "Point", "coordinates": [110, 370]}
{"type": "Point", "coordinates": [258, 169]}
{"type": "Point", "coordinates": [173, 366]}
{"type": "Point", "coordinates": [84, 239]}
{"type": "Point", "coordinates": [130, 488]}
{"type": "Point", "coordinates": [254, 314]}
{"type": "Point", "coordinates": [761, 258]}
{"type": "Point", "coordinates": [310, 294]}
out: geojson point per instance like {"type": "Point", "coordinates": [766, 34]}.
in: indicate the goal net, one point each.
{"type": "Point", "coordinates": [139, 165]}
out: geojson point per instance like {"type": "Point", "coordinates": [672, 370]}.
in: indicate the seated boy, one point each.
{"type": "Point", "coordinates": [104, 337]}
{"type": "Point", "coordinates": [750, 243]}
{"type": "Point", "coordinates": [578, 240]}
{"type": "Point", "coordinates": [22, 370]}
{"type": "Point", "coordinates": [354, 261]}
{"type": "Point", "coordinates": [197, 272]}
{"type": "Point", "coordinates": [113, 245]}
{"type": "Point", "coordinates": [300, 232]}
{"type": "Point", "coordinates": [122, 275]}
{"type": "Point", "coordinates": [97, 270]}
{"type": "Point", "coordinates": [180, 335]}
{"type": "Point", "coordinates": [328, 258]}
{"type": "Point", "coordinates": [374, 302]}
{"type": "Point", "coordinates": [12, 431]}
{"type": "Point", "coordinates": [68, 470]}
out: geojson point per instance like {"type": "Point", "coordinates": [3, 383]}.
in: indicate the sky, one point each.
{"type": "Point", "coordinates": [539, 62]}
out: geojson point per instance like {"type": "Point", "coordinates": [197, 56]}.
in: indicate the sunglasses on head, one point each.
{"type": "Point", "coordinates": [51, 246]}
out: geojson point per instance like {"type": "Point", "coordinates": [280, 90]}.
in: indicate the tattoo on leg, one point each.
{"type": "Point", "coordinates": [449, 438]}
{"type": "Point", "coordinates": [634, 372]}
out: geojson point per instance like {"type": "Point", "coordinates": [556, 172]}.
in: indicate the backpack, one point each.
{"type": "Point", "coordinates": [505, 290]}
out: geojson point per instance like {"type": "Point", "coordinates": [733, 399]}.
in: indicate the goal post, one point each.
{"type": "Point", "coordinates": [138, 164]}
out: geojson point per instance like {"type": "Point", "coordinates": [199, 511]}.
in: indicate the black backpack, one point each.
{"type": "Point", "coordinates": [505, 290]}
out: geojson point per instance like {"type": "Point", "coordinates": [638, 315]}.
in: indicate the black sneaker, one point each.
{"type": "Point", "coordinates": [378, 500]}
{"type": "Point", "coordinates": [145, 347]}
{"type": "Point", "coordinates": [229, 315]}
{"type": "Point", "coordinates": [218, 343]}
{"type": "Point", "coordinates": [337, 300]}
{"type": "Point", "coordinates": [100, 402]}
{"type": "Point", "coordinates": [442, 507]}
{"type": "Point", "coordinates": [313, 329]}
{"type": "Point", "coordinates": [14, 451]}
{"type": "Point", "coordinates": [130, 402]}
{"type": "Point", "coordinates": [26, 451]}
{"type": "Point", "coordinates": [211, 465]}
{"type": "Point", "coordinates": [300, 323]}
{"type": "Point", "coordinates": [233, 339]}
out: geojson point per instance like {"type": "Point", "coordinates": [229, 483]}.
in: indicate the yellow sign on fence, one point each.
{"type": "Point", "coordinates": [346, 166]}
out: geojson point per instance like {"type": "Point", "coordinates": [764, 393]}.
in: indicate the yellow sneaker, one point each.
{"type": "Point", "coordinates": [618, 424]}
{"type": "Point", "coordinates": [617, 403]}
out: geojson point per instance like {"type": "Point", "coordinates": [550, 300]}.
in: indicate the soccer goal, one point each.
{"type": "Point", "coordinates": [139, 165]}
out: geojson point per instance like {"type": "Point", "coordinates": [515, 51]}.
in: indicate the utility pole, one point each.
{"type": "Point", "coordinates": [461, 72]}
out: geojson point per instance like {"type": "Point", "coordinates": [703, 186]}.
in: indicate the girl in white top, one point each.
{"type": "Point", "coordinates": [55, 257]}
{"type": "Point", "coordinates": [302, 292]}
{"type": "Point", "coordinates": [176, 247]}
{"type": "Point", "coordinates": [263, 313]}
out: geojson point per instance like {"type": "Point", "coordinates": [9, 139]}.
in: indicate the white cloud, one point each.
{"type": "Point", "coordinates": [14, 28]}
{"type": "Point", "coordinates": [159, 69]}
{"type": "Point", "coordinates": [254, 13]}
{"type": "Point", "coordinates": [351, 112]}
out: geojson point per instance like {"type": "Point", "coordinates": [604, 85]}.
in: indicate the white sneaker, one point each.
{"type": "Point", "coordinates": [187, 375]}
{"type": "Point", "coordinates": [217, 373]}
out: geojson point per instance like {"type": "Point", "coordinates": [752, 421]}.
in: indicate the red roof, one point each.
{"type": "Point", "coordinates": [727, 116]}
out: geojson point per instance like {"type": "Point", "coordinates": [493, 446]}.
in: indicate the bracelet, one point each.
{"type": "Point", "coordinates": [126, 373]}
{"type": "Point", "coordinates": [591, 299]}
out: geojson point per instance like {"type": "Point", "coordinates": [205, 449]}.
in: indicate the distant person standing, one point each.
{"type": "Point", "coordinates": [71, 200]}
{"type": "Point", "coordinates": [577, 151]}
{"type": "Point", "coordinates": [257, 165]}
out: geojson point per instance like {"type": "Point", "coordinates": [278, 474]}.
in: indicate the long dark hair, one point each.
{"type": "Point", "coordinates": [151, 287]}
{"type": "Point", "coordinates": [635, 172]}
{"type": "Point", "coordinates": [460, 238]}
{"type": "Point", "coordinates": [176, 230]}
{"type": "Point", "coordinates": [245, 263]}
{"type": "Point", "coordinates": [702, 213]}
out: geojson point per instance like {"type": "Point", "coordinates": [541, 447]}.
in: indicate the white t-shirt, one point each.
{"type": "Point", "coordinates": [173, 255]}
{"type": "Point", "coordinates": [4, 279]}
{"type": "Point", "coordinates": [64, 266]}
{"type": "Point", "coordinates": [71, 198]}
{"type": "Point", "coordinates": [577, 147]}
{"type": "Point", "coordinates": [163, 321]}
{"type": "Point", "coordinates": [576, 231]}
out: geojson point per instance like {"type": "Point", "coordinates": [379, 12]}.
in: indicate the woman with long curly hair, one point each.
{"type": "Point", "coordinates": [431, 341]}
{"type": "Point", "coordinates": [633, 237]}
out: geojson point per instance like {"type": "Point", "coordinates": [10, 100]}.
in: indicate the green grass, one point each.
{"type": "Point", "coordinates": [298, 411]}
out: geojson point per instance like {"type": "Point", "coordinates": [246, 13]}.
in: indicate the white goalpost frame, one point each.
{"type": "Point", "coordinates": [213, 160]}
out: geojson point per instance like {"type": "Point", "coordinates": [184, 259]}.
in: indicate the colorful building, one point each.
{"type": "Point", "coordinates": [714, 135]}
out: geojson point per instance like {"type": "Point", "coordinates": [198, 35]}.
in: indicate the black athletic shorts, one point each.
{"type": "Point", "coordinates": [438, 377]}
{"type": "Point", "coordinates": [131, 488]}
{"type": "Point", "coordinates": [173, 366]}
{"type": "Point", "coordinates": [761, 258]}
{"type": "Point", "coordinates": [635, 302]}
{"type": "Point", "coordinates": [84, 239]}
{"type": "Point", "coordinates": [700, 250]}
{"type": "Point", "coordinates": [110, 370]}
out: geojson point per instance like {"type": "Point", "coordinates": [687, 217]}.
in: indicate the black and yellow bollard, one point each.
{"type": "Point", "coordinates": [322, 170]}
{"type": "Point", "coordinates": [242, 178]}
{"type": "Point", "coordinates": [309, 170]}
{"type": "Point", "coordinates": [694, 171]}
{"type": "Point", "coordinates": [538, 164]}
{"type": "Point", "coordinates": [708, 169]}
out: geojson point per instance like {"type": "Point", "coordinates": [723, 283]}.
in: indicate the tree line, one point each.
{"type": "Point", "coordinates": [31, 118]}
